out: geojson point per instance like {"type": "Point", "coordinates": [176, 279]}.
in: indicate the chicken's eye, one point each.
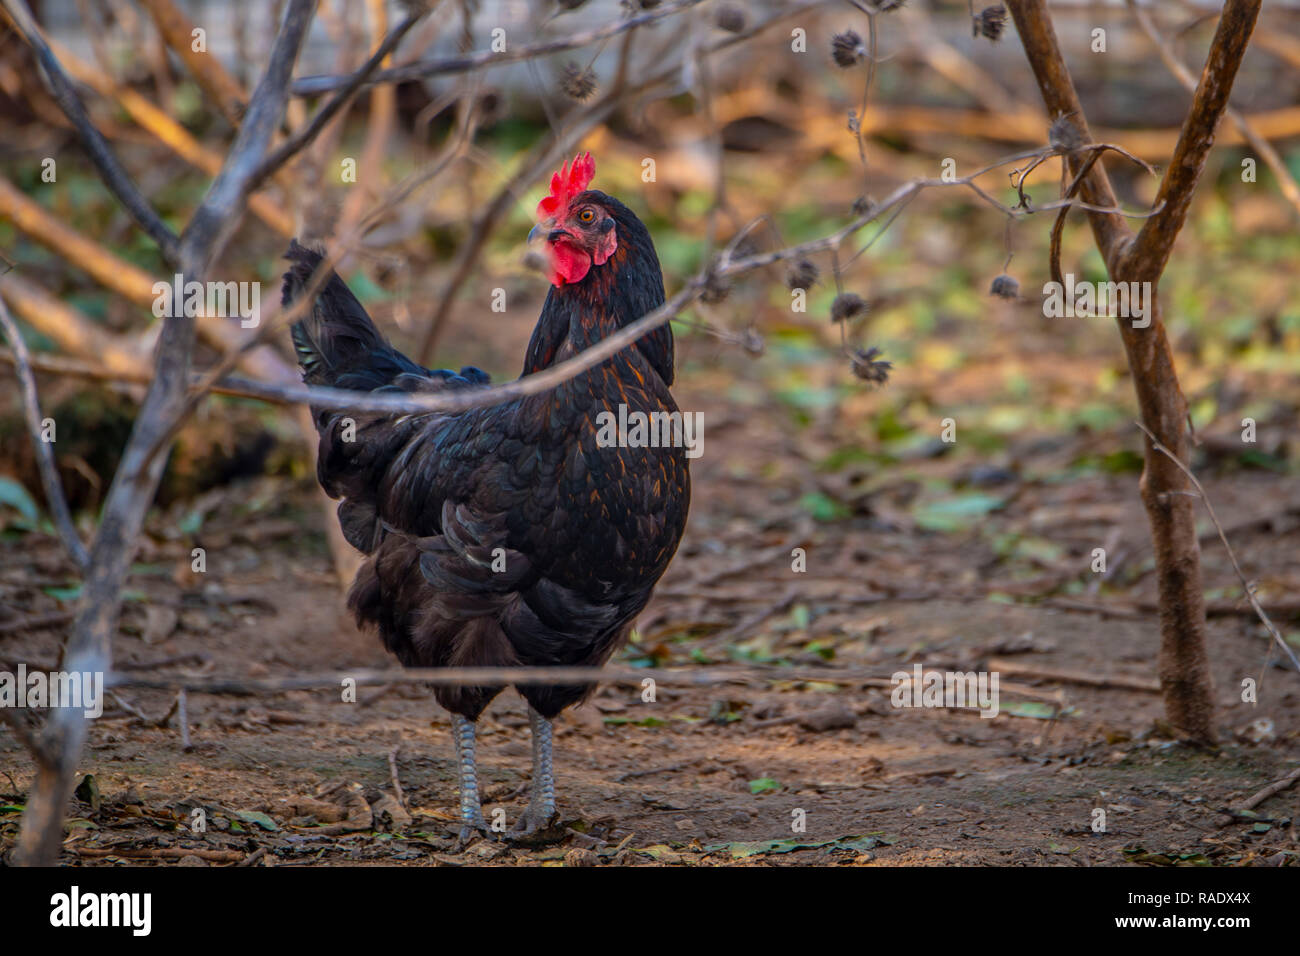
{"type": "Point", "coordinates": [586, 215]}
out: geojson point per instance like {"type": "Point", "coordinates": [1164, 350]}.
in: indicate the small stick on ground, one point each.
{"type": "Point", "coordinates": [397, 784]}
{"type": "Point", "coordinates": [161, 853]}
{"type": "Point", "coordinates": [171, 712]}
{"type": "Point", "coordinates": [183, 718]}
{"type": "Point", "coordinates": [130, 708]}
{"type": "Point", "coordinates": [671, 768]}
{"type": "Point", "coordinates": [1120, 681]}
{"type": "Point", "coordinates": [37, 622]}
{"type": "Point", "coordinates": [1275, 787]}
{"type": "Point", "coordinates": [754, 620]}
{"type": "Point", "coordinates": [194, 657]}
{"type": "Point", "coordinates": [253, 858]}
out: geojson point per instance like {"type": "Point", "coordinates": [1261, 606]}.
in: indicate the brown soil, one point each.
{"type": "Point", "coordinates": [883, 590]}
{"type": "Point", "coordinates": [933, 786]}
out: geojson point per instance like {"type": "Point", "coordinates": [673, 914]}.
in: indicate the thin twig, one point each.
{"type": "Point", "coordinates": [1285, 181]}
{"type": "Point", "coordinates": [397, 783]}
{"type": "Point", "coordinates": [176, 31]}
{"type": "Point", "coordinates": [424, 69]}
{"type": "Point", "coordinates": [305, 136]}
{"type": "Point", "coordinates": [35, 623]}
{"type": "Point", "coordinates": [1154, 244]}
{"type": "Point", "coordinates": [183, 718]}
{"type": "Point", "coordinates": [55, 500]}
{"type": "Point", "coordinates": [166, 130]}
{"type": "Point", "coordinates": [459, 401]}
{"type": "Point", "coordinates": [58, 365]}
{"type": "Point", "coordinates": [160, 853]}
{"type": "Point", "coordinates": [525, 676]}
{"type": "Point", "coordinates": [1277, 786]}
{"type": "Point", "coordinates": [1058, 227]}
{"type": "Point", "coordinates": [1083, 678]}
{"type": "Point", "coordinates": [89, 647]}
{"type": "Point", "coordinates": [1232, 556]}
{"type": "Point", "coordinates": [105, 161]}
{"type": "Point", "coordinates": [254, 858]}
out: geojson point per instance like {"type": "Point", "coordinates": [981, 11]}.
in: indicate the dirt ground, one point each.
{"type": "Point", "coordinates": [990, 572]}
{"type": "Point", "coordinates": [704, 775]}
{"type": "Point", "coordinates": [973, 555]}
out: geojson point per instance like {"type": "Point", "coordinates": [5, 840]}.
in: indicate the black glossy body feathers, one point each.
{"type": "Point", "coordinates": [503, 535]}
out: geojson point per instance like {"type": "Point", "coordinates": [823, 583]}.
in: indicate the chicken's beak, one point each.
{"type": "Point", "coordinates": [549, 231]}
{"type": "Point", "coordinates": [534, 256]}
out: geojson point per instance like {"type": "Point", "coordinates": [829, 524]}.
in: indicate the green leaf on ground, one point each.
{"type": "Point", "coordinates": [15, 496]}
{"type": "Point", "coordinates": [822, 507]}
{"type": "Point", "coordinates": [955, 513]}
{"type": "Point", "coordinates": [624, 721]}
{"type": "Point", "coordinates": [64, 595]}
{"type": "Point", "coordinates": [1035, 709]}
{"type": "Point", "coordinates": [257, 818]}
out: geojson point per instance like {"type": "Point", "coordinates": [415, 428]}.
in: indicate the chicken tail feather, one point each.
{"type": "Point", "coordinates": [336, 342]}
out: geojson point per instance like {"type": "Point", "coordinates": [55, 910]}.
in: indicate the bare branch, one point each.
{"type": "Point", "coordinates": [305, 136]}
{"type": "Point", "coordinates": [70, 328]}
{"type": "Point", "coordinates": [379, 130]}
{"type": "Point", "coordinates": [177, 33]}
{"type": "Point", "coordinates": [112, 272]}
{"type": "Point", "coordinates": [218, 378]}
{"type": "Point", "coordinates": [72, 368]}
{"type": "Point", "coordinates": [304, 301]}
{"type": "Point", "coordinates": [518, 676]}
{"type": "Point", "coordinates": [169, 132]}
{"type": "Point", "coordinates": [1153, 245]}
{"type": "Point", "coordinates": [110, 170]}
{"type": "Point", "coordinates": [55, 499]}
{"type": "Point", "coordinates": [1057, 87]}
{"type": "Point", "coordinates": [90, 644]}
{"type": "Point", "coordinates": [593, 355]}
{"type": "Point", "coordinates": [1285, 181]}
{"type": "Point", "coordinates": [1185, 676]}
{"type": "Point", "coordinates": [204, 236]}
{"type": "Point", "coordinates": [1232, 556]}
{"type": "Point", "coordinates": [423, 69]}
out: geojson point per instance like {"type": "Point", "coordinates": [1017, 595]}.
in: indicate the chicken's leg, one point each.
{"type": "Point", "coordinates": [540, 811]}
{"type": "Point", "coordinates": [471, 810]}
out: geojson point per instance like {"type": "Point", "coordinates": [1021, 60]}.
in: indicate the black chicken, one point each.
{"type": "Point", "coordinates": [506, 535]}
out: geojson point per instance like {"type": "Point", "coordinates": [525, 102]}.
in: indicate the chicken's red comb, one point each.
{"type": "Point", "coordinates": [568, 182]}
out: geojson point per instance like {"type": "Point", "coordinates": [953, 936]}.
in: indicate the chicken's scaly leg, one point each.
{"type": "Point", "coordinates": [541, 801]}
{"type": "Point", "coordinates": [471, 810]}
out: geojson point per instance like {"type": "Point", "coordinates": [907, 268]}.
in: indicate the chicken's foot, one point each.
{"type": "Point", "coordinates": [540, 812]}
{"type": "Point", "coordinates": [471, 809]}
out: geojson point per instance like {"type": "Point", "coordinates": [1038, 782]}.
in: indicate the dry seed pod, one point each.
{"type": "Point", "coordinates": [847, 49]}
{"type": "Point", "coordinates": [848, 305]}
